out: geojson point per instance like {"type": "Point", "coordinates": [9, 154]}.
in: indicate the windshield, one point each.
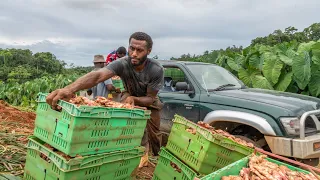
{"type": "Point", "coordinates": [211, 76]}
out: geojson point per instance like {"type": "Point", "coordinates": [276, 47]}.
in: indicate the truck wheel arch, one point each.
{"type": "Point", "coordinates": [248, 119]}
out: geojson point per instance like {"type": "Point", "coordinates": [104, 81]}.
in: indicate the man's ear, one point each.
{"type": "Point", "coordinates": [149, 50]}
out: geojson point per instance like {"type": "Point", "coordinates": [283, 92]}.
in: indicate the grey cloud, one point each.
{"type": "Point", "coordinates": [88, 27]}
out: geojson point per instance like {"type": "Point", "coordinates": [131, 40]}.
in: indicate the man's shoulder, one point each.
{"type": "Point", "coordinates": [155, 64]}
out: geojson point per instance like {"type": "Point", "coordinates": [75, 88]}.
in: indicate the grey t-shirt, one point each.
{"type": "Point", "coordinates": [136, 83]}
{"type": "Point", "coordinates": [101, 88]}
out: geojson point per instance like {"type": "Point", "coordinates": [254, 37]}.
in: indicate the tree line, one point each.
{"type": "Point", "coordinates": [290, 34]}
{"type": "Point", "coordinates": [21, 65]}
{"type": "Point", "coordinates": [284, 61]}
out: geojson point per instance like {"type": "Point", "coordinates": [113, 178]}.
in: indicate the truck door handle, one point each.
{"type": "Point", "coordinates": [188, 105]}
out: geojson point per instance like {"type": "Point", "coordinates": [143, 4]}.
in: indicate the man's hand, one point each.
{"type": "Point", "coordinates": [63, 94]}
{"type": "Point", "coordinates": [117, 90]}
{"type": "Point", "coordinates": [89, 93]}
{"type": "Point", "coordinates": [130, 100]}
{"type": "Point", "coordinates": [85, 82]}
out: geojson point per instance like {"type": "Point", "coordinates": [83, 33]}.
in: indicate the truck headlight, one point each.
{"type": "Point", "coordinates": [291, 124]}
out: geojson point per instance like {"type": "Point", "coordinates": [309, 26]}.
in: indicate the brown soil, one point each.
{"type": "Point", "coordinates": [144, 173]}
{"type": "Point", "coordinates": [13, 120]}
{"type": "Point", "coordinates": [15, 127]}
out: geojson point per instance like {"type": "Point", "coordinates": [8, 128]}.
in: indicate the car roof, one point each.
{"type": "Point", "coordinates": [172, 62]}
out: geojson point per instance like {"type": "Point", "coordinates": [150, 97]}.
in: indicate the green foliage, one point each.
{"type": "Point", "coordinates": [284, 61]}
{"type": "Point", "coordinates": [311, 33]}
{"type": "Point", "coordinates": [25, 94]}
{"type": "Point", "coordinates": [23, 75]}
{"type": "Point", "coordinates": [287, 66]}
{"type": "Point", "coordinates": [248, 76]}
{"type": "Point", "coordinates": [17, 65]}
{"type": "Point", "coordinates": [301, 69]}
{"type": "Point", "coordinates": [261, 82]}
{"type": "Point", "coordinates": [314, 84]}
{"type": "Point", "coordinates": [271, 67]}
{"type": "Point", "coordinates": [284, 81]}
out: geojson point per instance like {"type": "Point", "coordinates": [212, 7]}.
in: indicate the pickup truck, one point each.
{"type": "Point", "coordinates": [283, 123]}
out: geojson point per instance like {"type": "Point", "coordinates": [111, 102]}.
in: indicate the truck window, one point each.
{"type": "Point", "coordinates": [172, 75]}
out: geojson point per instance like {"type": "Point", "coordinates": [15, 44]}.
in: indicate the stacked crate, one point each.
{"type": "Point", "coordinates": [195, 154]}
{"type": "Point", "coordinates": [84, 142]}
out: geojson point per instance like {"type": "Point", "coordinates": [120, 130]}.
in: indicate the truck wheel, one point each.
{"type": "Point", "coordinates": [248, 140]}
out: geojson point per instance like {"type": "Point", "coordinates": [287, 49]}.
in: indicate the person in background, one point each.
{"type": "Point", "coordinates": [116, 54]}
{"type": "Point", "coordinates": [103, 88]}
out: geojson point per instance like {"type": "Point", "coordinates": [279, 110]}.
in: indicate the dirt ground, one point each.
{"type": "Point", "coordinates": [15, 127]}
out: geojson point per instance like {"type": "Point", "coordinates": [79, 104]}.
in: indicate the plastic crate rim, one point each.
{"type": "Point", "coordinates": [78, 160]}
{"type": "Point", "coordinates": [84, 108]}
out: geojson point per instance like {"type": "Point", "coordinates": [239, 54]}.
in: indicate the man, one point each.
{"type": "Point", "coordinates": [142, 77]}
{"type": "Point", "coordinates": [103, 88]}
{"type": "Point", "coordinates": [114, 55]}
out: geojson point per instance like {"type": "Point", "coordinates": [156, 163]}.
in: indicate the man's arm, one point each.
{"type": "Point", "coordinates": [144, 101]}
{"type": "Point", "coordinates": [87, 81]}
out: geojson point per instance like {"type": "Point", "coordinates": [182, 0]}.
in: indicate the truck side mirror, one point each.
{"type": "Point", "coordinates": [182, 86]}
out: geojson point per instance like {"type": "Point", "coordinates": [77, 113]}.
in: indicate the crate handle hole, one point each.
{"type": "Point", "coordinates": [189, 143]}
{"type": "Point", "coordinates": [59, 108]}
{"type": "Point", "coordinates": [175, 167]}
{"type": "Point", "coordinates": [60, 134]}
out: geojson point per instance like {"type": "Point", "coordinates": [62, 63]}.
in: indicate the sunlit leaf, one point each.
{"type": "Point", "coordinates": [284, 81]}
{"type": "Point", "coordinates": [314, 84]}
{"type": "Point", "coordinates": [272, 67]}
{"type": "Point", "coordinates": [302, 70]}
{"type": "Point", "coordinates": [262, 83]}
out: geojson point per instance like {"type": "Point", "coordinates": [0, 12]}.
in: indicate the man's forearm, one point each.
{"type": "Point", "coordinates": [144, 101]}
{"type": "Point", "coordinates": [87, 81]}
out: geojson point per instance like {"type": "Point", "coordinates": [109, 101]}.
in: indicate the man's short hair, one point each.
{"type": "Point", "coordinates": [121, 50]}
{"type": "Point", "coordinates": [141, 36]}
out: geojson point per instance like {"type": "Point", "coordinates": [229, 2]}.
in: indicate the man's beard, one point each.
{"type": "Point", "coordinates": [141, 61]}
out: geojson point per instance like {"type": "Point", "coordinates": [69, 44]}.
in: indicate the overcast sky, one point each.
{"type": "Point", "coordinates": [76, 30]}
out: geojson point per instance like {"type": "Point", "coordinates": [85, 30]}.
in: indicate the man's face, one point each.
{"type": "Point", "coordinates": [138, 52]}
{"type": "Point", "coordinates": [99, 65]}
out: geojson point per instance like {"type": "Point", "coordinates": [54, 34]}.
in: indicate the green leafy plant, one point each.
{"type": "Point", "coordinates": [287, 66]}
{"type": "Point", "coordinates": [25, 94]}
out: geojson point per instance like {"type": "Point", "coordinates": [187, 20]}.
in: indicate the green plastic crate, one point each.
{"type": "Point", "coordinates": [118, 84]}
{"type": "Point", "coordinates": [89, 130]}
{"type": "Point", "coordinates": [165, 171]}
{"type": "Point", "coordinates": [204, 152]}
{"type": "Point", "coordinates": [113, 165]}
{"type": "Point", "coordinates": [235, 168]}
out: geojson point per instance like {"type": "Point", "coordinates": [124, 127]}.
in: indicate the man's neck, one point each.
{"type": "Point", "coordinates": [140, 67]}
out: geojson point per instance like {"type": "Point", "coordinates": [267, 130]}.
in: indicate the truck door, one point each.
{"type": "Point", "coordinates": [177, 102]}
